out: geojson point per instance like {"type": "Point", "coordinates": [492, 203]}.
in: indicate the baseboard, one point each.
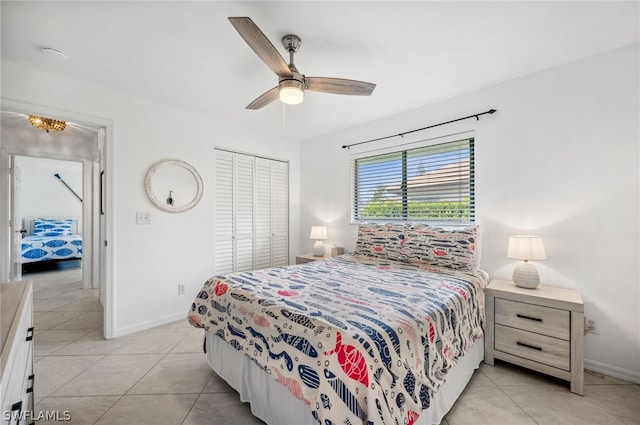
{"type": "Point", "coordinates": [616, 372]}
{"type": "Point", "coordinates": [148, 325]}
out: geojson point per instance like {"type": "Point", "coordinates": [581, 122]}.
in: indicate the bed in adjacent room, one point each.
{"type": "Point", "coordinates": [388, 335]}
{"type": "Point", "coordinates": [51, 239]}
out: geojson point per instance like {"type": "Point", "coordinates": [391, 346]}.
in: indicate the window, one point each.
{"type": "Point", "coordinates": [428, 184]}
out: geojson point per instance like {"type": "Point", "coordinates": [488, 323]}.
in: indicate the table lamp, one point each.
{"type": "Point", "coordinates": [319, 233]}
{"type": "Point", "coordinates": [526, 247]}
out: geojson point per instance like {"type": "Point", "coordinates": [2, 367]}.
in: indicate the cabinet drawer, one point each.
{"type": "Point", "coordinates": [538, 348]}
{"type": "Point", "coordinates": [533, 318]}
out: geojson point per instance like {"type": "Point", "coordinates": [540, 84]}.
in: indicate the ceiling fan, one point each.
{"type": "Point", "coordinates": [291, 83]}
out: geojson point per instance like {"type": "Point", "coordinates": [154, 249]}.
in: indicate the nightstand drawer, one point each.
{"type": "Point", "coordinates": [538, 348]}
{"type": "Point", "coordinates": [533, 318]}
{"type": "Point", "coordinates": [303, 259]}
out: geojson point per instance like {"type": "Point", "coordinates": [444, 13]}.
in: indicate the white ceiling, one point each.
{"type": "Point", "coordinates": [187, 54]}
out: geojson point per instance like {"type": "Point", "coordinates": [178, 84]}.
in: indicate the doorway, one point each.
{"type": "Point", "coordinates": [80, 142]}
{"type": "Point", "coordinates": [47, 201]}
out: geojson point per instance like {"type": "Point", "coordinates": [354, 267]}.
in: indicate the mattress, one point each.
{"type": "Point", "coordinates": [356, 339]}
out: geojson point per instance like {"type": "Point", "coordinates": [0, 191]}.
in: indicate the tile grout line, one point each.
{"type": "Point", "coordinates": [81, 313]}
{"type": "Point", "coordinates": [517, 404]}
{"type": "Point", "coordinates": [126, 392]}
{"type": "Point", "coordinates": [587, 385]}
{"type": "Point", "coordinates": [51, 354]}
{"type": "Point", "coordinates": [103, 356]}
{"type": "Point", "coordinates": [509, 397]}
{"type": "Point", "coordinates": [203, 353]}
{"type": "Point", "coordinates": [63, 346]}
{"type": "Point", "coordinates": [75, 376]}
{"type": "Point", "coordinates": [191, 408]}
{"type": "Point", "coordinates": [108, 410]}
{"type": "Point", "coordinates": [203, 388]}
{"type": "Point", "coordinates": [145, 374]}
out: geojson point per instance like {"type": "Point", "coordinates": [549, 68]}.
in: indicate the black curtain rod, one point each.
{"type": "Point", "coordinates": [476, 116]}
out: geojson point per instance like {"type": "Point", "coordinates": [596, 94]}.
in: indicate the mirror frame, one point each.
{"type": "Point", "coordinates": [148, 185]}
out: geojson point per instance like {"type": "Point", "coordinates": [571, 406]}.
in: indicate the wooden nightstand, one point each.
{"type": "Point", "coordinates": [301, 259]}
{"type": "Point", "coordinates": [540, 329]}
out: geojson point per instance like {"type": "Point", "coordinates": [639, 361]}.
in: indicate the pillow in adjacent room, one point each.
{"type": "Point", "coordinates": [52, 227]}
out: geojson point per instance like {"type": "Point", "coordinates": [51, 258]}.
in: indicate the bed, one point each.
{"type": "Point", "coordinates": [51, 239]}
{"type": "Point", "coordinates": [388, 335]}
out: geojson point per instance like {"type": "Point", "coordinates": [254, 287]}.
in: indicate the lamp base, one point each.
{"type": "Point", "coordinates": [525, 275]}
{"type": "Point", "coordinates": [318, 249]}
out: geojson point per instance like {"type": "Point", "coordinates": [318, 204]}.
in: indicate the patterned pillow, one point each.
{"type": "Point", "coordinates": [454, 249]}
{"type": "Point", "coordinates": [380, 240]}
{"type": "Point", "coordinates": [52, 227]}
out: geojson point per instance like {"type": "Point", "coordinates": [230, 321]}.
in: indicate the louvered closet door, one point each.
{"type": "Point", "coordinates": [244, 211]}
{"type": "Point", "coordinates": [252, 207]}
{"type": "Point", "coordinates": [224, 212]}
{"type": "Point", "coordinates": [280, 213]}
{"type": "Point", "coordinates": [272, 210]}
{"type": "Point", "coordinates": [263, 213]}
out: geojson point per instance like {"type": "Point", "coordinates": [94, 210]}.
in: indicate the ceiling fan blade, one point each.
{"type": "Point", "coordinates": [265, 99]}
{"type": "Point", "coordinates": [339, 86]}
{"type": "Point", "coordinates": [260, 44]}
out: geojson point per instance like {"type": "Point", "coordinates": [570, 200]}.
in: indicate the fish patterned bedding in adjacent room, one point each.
{"type": "Point", "coordinates": [361, 340]}
{"type": "Point", "coordinates": [41, 248]}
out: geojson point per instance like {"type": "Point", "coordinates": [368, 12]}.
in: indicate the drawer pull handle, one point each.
{"type": "Point", "coordinates": [31, 379]}
{"type": "Point", "coordinates": [535, 319]}
{"type": "Point", "coordinates": [529, 346]}
{"type": "Point", "coordinates": [30, 333]}
{"type": "Point", "coordinates": [16, 413]}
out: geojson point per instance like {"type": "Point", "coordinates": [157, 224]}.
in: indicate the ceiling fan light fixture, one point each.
{"type": "Point", "coordinates": [291, 83]}
{"type": "Point", "coordinates": [291, 92]}
{"type": "Point", "coordinates": [47, 124]}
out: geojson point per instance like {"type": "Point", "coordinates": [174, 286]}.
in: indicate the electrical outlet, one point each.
{"type": "Point", "coordinates": [180, 289]}
{"type": "Point", "coordinates": [592, 326]}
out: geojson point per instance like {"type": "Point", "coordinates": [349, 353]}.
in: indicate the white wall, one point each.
{"type": "Point", "coordinates": [43, 194]}
{"type": "Point", "coordinates": [560, 159]}
{"type": "Point", "coordinates": [151, 260]}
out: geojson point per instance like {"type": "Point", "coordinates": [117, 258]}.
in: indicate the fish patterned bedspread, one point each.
{"type": "Point", "coordinates": [360, 340]}
{"type": "Point", "coordinates": [41, 248]}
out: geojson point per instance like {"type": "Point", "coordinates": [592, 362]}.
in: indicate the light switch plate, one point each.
{"type": "Point", "coordinates": [143, 218]}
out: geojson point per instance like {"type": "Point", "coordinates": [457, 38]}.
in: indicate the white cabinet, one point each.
{"type": "Point", "coordinates": [251, 212]}
{"type": "Point", "coordinates": [17, 352]}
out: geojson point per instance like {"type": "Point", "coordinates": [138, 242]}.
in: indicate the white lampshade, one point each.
{"type": "Point", "coordinates": [291, 92]}
{"type": "Point", "coordinates": [318, 233]}
{"type": "Point", "coordinates": [526, 247]}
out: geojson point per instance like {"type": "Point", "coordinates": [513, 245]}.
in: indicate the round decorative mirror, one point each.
{"type": "Point", "coordinates": [173, 185]}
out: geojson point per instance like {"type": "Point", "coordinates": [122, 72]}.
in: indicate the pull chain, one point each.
{"type": "Point", "coordinates": [284, 115]}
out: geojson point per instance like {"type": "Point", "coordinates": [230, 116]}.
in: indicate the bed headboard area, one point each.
{"type": "Point", "coordinates": [52, 225]}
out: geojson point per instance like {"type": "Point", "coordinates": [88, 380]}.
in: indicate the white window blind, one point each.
{"type": "Point", "coordinates": [251, 212]}
{"type": "Point", "coordinates": [428, 184]}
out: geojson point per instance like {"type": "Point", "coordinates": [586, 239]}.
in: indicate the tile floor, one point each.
{"type": "Point", "coordinates": [160, 376]}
